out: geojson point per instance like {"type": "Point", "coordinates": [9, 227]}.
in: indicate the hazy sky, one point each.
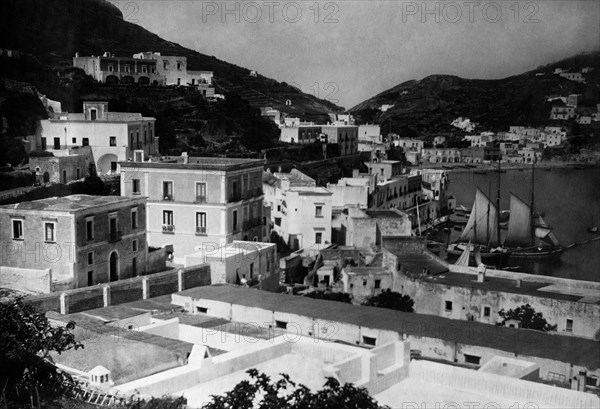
{"type": "Point", "coordinates": [347, 51]}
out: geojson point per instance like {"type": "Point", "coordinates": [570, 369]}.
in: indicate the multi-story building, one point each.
{"type": "Point", "coordinates": [120, 70]}
{"type": "Point", "coordinates": [175, 71]}
{"type": "Point", "coordinates": [301, 212]}
{"type": "Point", "coordinates": [441, 155]}
{"type": "Point", "coordinates": [112, 136]}
{"type": "Point", "coordinates": [573, 100]}
{"type": "Point", "coordinates": [384, 169]}
{"type": "Point", "coordinates": [84, 240]}
{"type": "Point", "coordinates": [530, 155]}
{"type": "Point", "coordinates": [409, 144]}
{"type": "Point", "coordinates": [300, 133]}
{"type": "Point", "coordinates": [345, 136]}
{"type": "Point", "coordinates": [370, 133]}
{"type": "Point", "coordinates": [553, 139]}
{"type": "Point", "coordinates": [562, 112]}
{"type": "Point", "coordinates": [198, 202]}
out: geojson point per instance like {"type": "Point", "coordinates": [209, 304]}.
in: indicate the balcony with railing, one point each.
{"type": "Point", "coordinates": [168, 228]}
{"type": "Point", "coordinates": [234, 197]}
{"type": "Point", "coordinates": [200, 198]}
{"type": "Point", "coordinates": [114, 236]}
{"type": "Point", "coordinates": [168, 196]}
{"type": "Point", "coordinates": [200, 230]}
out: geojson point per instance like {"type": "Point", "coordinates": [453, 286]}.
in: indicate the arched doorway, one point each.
{"type": "Point", "coordinates": [113, 266]}
{"type": "Point", "coordinates": [127, 80]}
{"type": "Point", "coordinates": [112, 80]}
{"type": "Point", "coordinates": [105, 162]}
{"type": "Point", "coordinates": [46, 177]}
{"type": "Point", "coordinates": [144, 81]}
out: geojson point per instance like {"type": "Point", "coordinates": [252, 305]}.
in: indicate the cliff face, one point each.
{"type": "Point", "coordinates": [431, 104]}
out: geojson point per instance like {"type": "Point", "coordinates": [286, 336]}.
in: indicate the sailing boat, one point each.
{"type": "Point", "coordinates": [481, 230]}
{"type": "Point", "coordinates": [528, 236]}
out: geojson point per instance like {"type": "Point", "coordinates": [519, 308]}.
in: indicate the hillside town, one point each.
{"type": "Point", "coordinates": [341, 250]}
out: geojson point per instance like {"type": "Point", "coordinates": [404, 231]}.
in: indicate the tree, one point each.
{"type": "Point", "coordinates": [329, 295]}
{"type": "Point", "coordinates": [392, 300]}
{"type": "Point", "coordinates": [261, 392]}
{"type": "Point", "coordinates": [26, 340]}
{"type": "Point", "coordinates": [528, 317]}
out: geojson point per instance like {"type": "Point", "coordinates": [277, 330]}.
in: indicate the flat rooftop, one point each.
{"type": "Point", "coordinates": [533, 288]}
{"type": "Point", "coordinates": [202, 163]}
{"type": "Point", "coordinates": [310, 190]}
{"type": "Point", "coordinates": [71, 204]}
{"type": "Point", "coordinates": [574, 350]}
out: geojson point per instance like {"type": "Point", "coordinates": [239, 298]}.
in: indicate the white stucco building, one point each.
{"type": "Point", "coordinates": [112, 136]}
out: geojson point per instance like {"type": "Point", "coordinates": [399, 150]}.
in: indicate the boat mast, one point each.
{"type": "Point", "coordinates": [498, 206]}
{"type": "Point", "coordinates": [532, 201]}
{"type": "Point", "coordinates": [488, 213]}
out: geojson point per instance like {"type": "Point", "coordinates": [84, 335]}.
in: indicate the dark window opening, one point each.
{"type": "Point", "coordinates": [369, 340]}
{"type": "Point", "coordinates": [202, 310]}
{"type": "Point", "coordinates": [281, 324]}
{"type": "Point", "coordinates": [472, 359]}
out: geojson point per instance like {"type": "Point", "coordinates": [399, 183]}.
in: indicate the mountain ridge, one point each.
{"type": "Point", "coordinates": [429, 105]}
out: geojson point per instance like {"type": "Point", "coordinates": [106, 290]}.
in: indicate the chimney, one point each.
{"type": "Point", "coordinates": [481, 273]}
{"type": "Point", "coordinates": [355, 173]}
{"type": "Point", "coordinates": [184, 155]}
{"type": "Point", "coordinates": [76, 55]}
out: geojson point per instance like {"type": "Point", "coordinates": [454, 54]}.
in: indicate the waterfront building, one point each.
{"type": "Point", "coordinates": [441, 155]}
{"type": "Point", "coordinates": [111, 136]}
{"type": "Point", "coordinates": [195, 201]}
{"type": "Point", "coordinates": [77, 240]}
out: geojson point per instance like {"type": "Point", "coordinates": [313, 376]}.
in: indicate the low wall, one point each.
{"type": "Point", "coordinates": [513, 275]}
{"type": "Point", "coordinates": [26, 279]}
{"type": "Point", "coordinates": [178, 379]}
{"type": "Point", "coordinates": [118, 292]}
{"type": "Point", "coordinates": [156, 261]}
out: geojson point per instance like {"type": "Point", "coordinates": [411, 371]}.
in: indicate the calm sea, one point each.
{"type": "Point", "coordinates": [570, 200]}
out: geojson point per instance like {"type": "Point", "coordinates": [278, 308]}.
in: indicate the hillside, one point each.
{"type": "Point", "coordinates": [429, 105]}
{"type": "Point", "coordinates": [54, 30]}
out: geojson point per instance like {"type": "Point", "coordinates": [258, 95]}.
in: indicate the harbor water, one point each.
{"type": "Point", "coordinates": [569, 200]}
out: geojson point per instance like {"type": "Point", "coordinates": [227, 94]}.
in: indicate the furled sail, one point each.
{"type": "Point", "coordinates": [482, 226]}
{"type": "Point", "coordinates": [519, 224]}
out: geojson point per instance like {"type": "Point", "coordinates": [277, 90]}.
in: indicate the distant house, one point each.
{"type": "Point", "coordinates": [584, 120]}
{"type": "Point", "coordinates": [572, 76]}
{"type": "Point", "coordinates": [120, 70]}
{"type": "Point", "coordinates": [175, 71]}
{"type": "Point", "coordinates": [562, 112]}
